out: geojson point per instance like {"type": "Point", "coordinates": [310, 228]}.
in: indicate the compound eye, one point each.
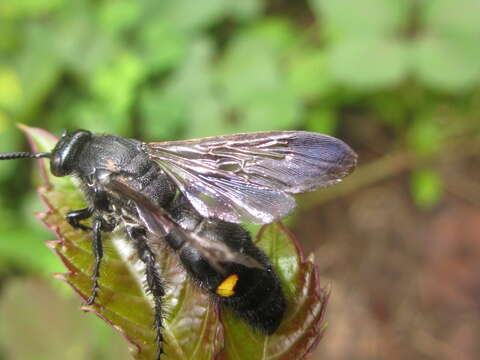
{"type": "Point", "coordinates": [56, 165]}
{"type": "Point", "coordinates": [64, 155]}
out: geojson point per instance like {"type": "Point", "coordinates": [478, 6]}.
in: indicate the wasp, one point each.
{"type": "Point", "coordinates": [193, 195]}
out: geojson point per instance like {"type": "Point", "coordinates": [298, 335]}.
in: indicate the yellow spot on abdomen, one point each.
{"type": "Point", "coordinates": [227, 287]}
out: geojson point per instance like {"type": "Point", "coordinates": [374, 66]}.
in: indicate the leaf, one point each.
{"type": "Point", "coordinates": [246, 9]}
{"type": "Point", "coordinates": [303, 325]}
{"type": "Point", "coordinates": [193, 329]}
{"type": "Point", "coordinates": [447, 56]}
{"type": "Point", "coordinates": [190, 89]}
{"type": "Point", "coordinates": [188, 17]}
{"type": "Point", "coordinates": [369, 63]}
{"type": "Point", "coordinates": [279, 34]}
{"type": "Point", "coordinates": [10, 88]}
{"type": "Point", "coordinates": [248, 69]}
{"type": "Point", "coordinates": [323, 120]}
{"type": "Point", "coordinates": [122, 303]}
{"type": "Point", "coordinates": [426, 134]}
{"type": "Point", "coordinates": [162, 46]}
{"type": "Point", "coordinates": [368, 17]}
{"type": "Point", "coordinates": [39, 69]}
{"type": "Point", "coordinates": [77, 32]}
{"type": "Point", "coordinates": [10, 35]}
{"type": "Point", "coordinates": [253, 83]}
{"type": "Point", "coordinates": [26, 308]}
{"type": "Point", "coordinates": [193, 76]}
{"type": "Point", "coordinates": [115, 83]}
{"type": "Point", "coordinates": [309, 75]}
{"type": "Point", "coordinates": [452, 17]}
{"type": "Point", "coordinates": [76, 112]}
{"type": "Point", "coordinates": [26, 251]}
{"type": "Point", "coordinates": [156, 104]}
{"type": "Point", "coordinates": [9, 139]}
{"type": "Point", "coordinates": [29, 8]}
{"type": "Point", "coordinates": [427, 188]}
{"type": "Point", "coordinates": [119, 16]}
{"type": "Point", "coordinates": [450, 63]}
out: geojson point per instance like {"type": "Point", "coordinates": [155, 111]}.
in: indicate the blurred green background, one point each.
{"type": "Point", "coordinates": [397, 80]}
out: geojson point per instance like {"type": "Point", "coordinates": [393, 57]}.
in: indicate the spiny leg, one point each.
{"type": "Point", "coordinates": [155, 287]}
{"type": "Point", "coordinates": [154, 282]}
{"type": "Point", "coordinates": [97, 248]}
{"type": "Point", "coordinates": [74, 217]}
{"type": "Point", "coordinates": [100, 202]}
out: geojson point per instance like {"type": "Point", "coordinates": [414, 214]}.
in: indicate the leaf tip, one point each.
{"type": "Point", "coordinates": [60, 276]}
{"type": "Point", "coordinates": [22, 127]}
{"type": "Point", "coordinates": [53, 244]}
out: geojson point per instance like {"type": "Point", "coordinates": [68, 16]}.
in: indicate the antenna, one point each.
{"type": "Point", "coordinates": [23, 155]}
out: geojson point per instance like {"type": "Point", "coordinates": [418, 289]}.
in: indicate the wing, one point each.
{"type": "Point", "coordinates": [159, 224]}
{"type": "Point", "coordinates": [249, 177]}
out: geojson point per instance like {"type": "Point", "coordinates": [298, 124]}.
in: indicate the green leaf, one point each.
{"type": "Point", "coordinates": [362, 18]}
{"type": "Point", "coordinates": [303, 325]}
{"type": "Point", "coordinates": [115, 83]}
{"type": "Point", "coordinates": [205, 117]}
{"type": "Point", "coordinates": [309, 75]}
{"type": "Point", "coordinates": [246, 9]}
{"type": "Point", "coordinates": [163, 114]}
{"type": "Point", "coordinates": [276, 109]}
{"type": "Point", "coordinates": [278, 34]}
{"type": "Point", "coordinates": [426, 187]}
{"type": "Point", "coordinates": [9, 140]}
{"type": "Point", "coordinates": [369, 63]}
{"type": "Point", "coordinates": [122, 303]}
{"type": "Point", "coordinates": [322, 120]}
{"type": "Point", "coordinates": [425, 134]}
{"type": "Point", "coordinates": [248, 69]}
{"type": "Point", "coordinates": [51, 326]}
{"type": "Point", "coordinates": [38, 67]}
{"type": "Point", "coordinates": [192, 328]}
{"type": "Point", "coordinates": [10, 88]}
{"type": "Point", "coordinates": [27, 252]}
{"type": "Point", "coordinates": [450, 63]}
{"type": "Point", "coordinates": [118, 16]}
{"type": "Point", "coordinates": [193, 77]}
{"type": "Point", "coordinates": [189, 17]}
{"type": "Point", "coordinates": [253, 84]}
{"type": "Point", "coordinates": [392, 108]}
{"type": "Point", "coordinates": [75, 33]}
{"type": "Point", "coordinates": [11, 35]}
{"type": "Point", "coordinates": [191, 89]}
{"type": "Point", "coordinates": [27, 8]}
{"type": "Point", "coordinates": [452, 17]}
{"type": "Point", "coordinates": [162, 45]}
{"type": "Point", "coordinates": [77, 112]}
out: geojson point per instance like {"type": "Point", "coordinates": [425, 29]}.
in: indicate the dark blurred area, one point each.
{"type": "Point", "coordinates": [399, 81]}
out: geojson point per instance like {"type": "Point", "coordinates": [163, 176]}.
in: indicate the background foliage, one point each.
{"type": "Point", "coordinates": [388, 76]}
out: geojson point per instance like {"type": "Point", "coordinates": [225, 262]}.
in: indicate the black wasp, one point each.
{"type": "Point", "coordinates": [192, 195]}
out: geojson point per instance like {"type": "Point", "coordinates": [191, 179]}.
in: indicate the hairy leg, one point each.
{"type": "Point", "coordinates": [97, 248]}
{"type": "Point", "coordinates": [154, 281]}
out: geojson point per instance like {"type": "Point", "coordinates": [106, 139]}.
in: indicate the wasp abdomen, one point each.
{"type": "Point", "coordinates": [254, 293]}
{"type": "Point", "coordinates": [257, 298]}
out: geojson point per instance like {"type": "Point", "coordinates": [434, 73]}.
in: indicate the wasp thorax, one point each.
{"type": "Point", "coordinates": [64, 155]}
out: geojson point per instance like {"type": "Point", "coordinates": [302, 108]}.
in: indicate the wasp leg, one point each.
{"type": "Point", "coordinates": [154, 281]}
{"type": "Point", "coordinates": [74, 217]}
{"type": "Point", "coordinates": [97, 248]}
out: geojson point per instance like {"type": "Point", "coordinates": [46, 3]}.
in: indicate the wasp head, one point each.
{"type": "Point", "coordinates": [64, 156]}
